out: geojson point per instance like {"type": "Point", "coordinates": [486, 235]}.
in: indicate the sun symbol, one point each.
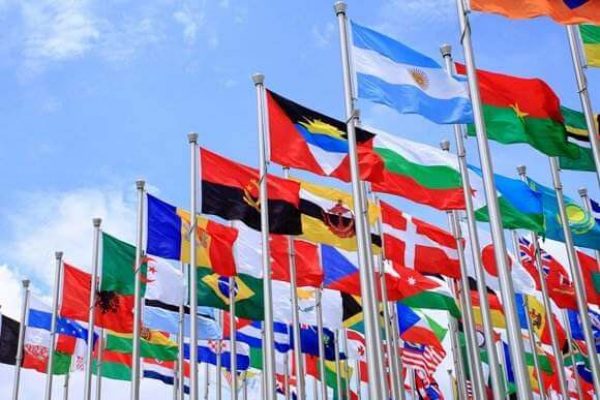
{"type": "Point", "coordinates": [420, 77]}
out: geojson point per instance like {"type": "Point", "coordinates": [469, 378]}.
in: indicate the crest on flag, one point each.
{"type": "Point", "coordinates": [340, 220]}
{"type": "Point", "coordinates": [251, 194]}
{"type": "Point", "coordinates": [420, 77]}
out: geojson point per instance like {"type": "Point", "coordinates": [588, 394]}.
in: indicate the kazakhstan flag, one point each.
{"type": "Point", "coordinates": [584, 228]}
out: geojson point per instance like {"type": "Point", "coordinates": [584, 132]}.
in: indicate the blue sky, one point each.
{"type": "Point", "coordinates": [98, 93]}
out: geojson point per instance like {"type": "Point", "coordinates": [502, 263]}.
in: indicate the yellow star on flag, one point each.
{"type": "Point", "coordinates": [517, 110]}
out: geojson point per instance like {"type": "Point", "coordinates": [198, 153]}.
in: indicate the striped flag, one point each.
{"type": "Point", "coordinates": [418, 356]}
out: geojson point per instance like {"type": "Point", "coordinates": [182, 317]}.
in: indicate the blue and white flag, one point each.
{"type": "Point", "coordinates": [208, 349]}
{"type": "Point", "coordinates": [165, 317]}
{"type": "Point", "coordinates": [397, 76]}
{"type": "Point", "coordinates": [595, 210]}
{"type": "Point", "coordinates": [40, 317]}
{"type": "Point", "coordinates": [252, 335]}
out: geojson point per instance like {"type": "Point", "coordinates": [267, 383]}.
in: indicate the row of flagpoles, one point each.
{"type": "Point", "coordinates": [371, 268]}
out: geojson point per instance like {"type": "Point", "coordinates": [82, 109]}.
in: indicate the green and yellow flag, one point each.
{"type": "Point", "coordinates": [590, 34]}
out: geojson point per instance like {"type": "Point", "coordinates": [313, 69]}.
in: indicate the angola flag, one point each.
{"type": "Point", "coordinates": [305, 139]}
{"type": "Point", "coordinates": [167, 237]}
{"type": "Point", "coordinates": [562, 11]}
{"type": "Point", "coordinates": [231, 191]}
{"type": "Point", "coordinates": [521, 110]}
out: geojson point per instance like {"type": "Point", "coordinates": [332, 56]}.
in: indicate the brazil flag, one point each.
{"type": "Point", "coordinates": [213, 291]}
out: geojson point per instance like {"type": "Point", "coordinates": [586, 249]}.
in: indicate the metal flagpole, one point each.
{"type": "Point", "coordinates": [300, 383]}
{"type": "Point", "coordinates": [268, 344]}
{"type": "Point", "coordinates": [397, 358]}
{"type": "Point", "coordinates": [19, 356]}
{"type": "Point", "coordinates": [571, 344]}
{"type": "Point", "coordinates": [488, 328]}
{"type": "Point", "coordinates": [137, 307]}
{"type": "Point", "coordinates": [346, 363]}
{"type": "Point", "coordinates": [556, 347]}
{"type": "Point", "coordinates": [585, 199]}
{"type": "Point", "coordinates": [219, 367]}
{"type": "Point", "coordinates": [245, 385]}
{"type": "Point", "coordinates": [376, 388]}
{"type": "Point", "coordinates": [87, 393]}
{"type": "Point", "coordinates": [506, 284]}
{"type": "Point", "coordinates": [176, 381]}
{"type": "Point", "coordinates": [584, 95]}
{"type": "Point", "coordinates": [286, 378]}
{"type": "Point", "coordinates": [99, 364]}
{"type": "Point", "coordinates": [233, 338]}
{"type": "Point", "coordinates": [577, 278]}
{"type": "Point", "coordinates": [413, 382]}
{"type": "Point", "coordinates": [66, 386]}
{"type": "Point", "coordinates": [469, 321]}
{"type": "Point", "coordinates": [358, 381]}
{"type": "Point", "coordinates": [321, 343]}
{"type": "Point", "coordinates": [181, 340]}
{"type": "Point", "coordinates": [338, 366]}
{"type": "Point", "coordinates": [193, 142]}
{"type": "Point", "coordinates": [457, 355]}
{"type": "Point", "coordinates": [57, 276]}
{"type": "Point", "coordinates": [206, 381]}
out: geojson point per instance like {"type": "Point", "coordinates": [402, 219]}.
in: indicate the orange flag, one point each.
{"type": "Point", "coordinates": [562, 11]}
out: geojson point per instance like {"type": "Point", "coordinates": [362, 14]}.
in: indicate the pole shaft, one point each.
{"type": "Point", "coordinates": [584, 94]}
{"type": "Point", "coordinates": [137, 307]}
{"type": "Point", "coordinates": [338, 366]}
{"type": "Point", "coordinates": [268, 344]}
{"type": "Point", "coordinates": [358, 380]}
{"type": "Point", "coordinates": [66, 386]}
{"type": "Point", "coordinates": [194, 390]}
{"type": "Point", "coordinates": [585, 199]}
{"type": "Point", "coordinates": [571, 343]}
{"type": "Point", "coordinates": [233, 338]}
{"type": "Point", "coordinates": [87, 393]}
{"type": "Point", "coordinates": [321, 338]}
{"type": "Point", "coordinates": [218, 372]}
{"type": "Point", "coordinates": [57, 277]}
{"type": "Point", "coordinates": [99, 364]}
{"type": "Point", "coordinates": [506, 284]}
{"type": "Point", "coordinates": [457, 356]}
{"type": "Point", "coordinates": [376, 389]}
{"type": "Point", "coordinates": [286, 376]}
{"type": "Point", "coordinates": [300, 382]}
{"type": "Point", "coordinates": [346, 363]}
{"type": "Point", "coordinates": [180, 341]}
{"type": "Point", "coordinates": [20, 343]}
{"type": "Point", "coordinates": [577, 277]}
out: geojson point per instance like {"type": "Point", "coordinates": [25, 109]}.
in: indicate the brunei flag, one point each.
{"type": "Point", "coordinates": [327, 217]}
{"type": "Point", "coordinates": [231, 191]}
{"type": "Point", "coordinates": [167, 237]}
{"type": "Point", "coordinates": [305, 139]}
{"type": "Point", "coordinates": [562, 11]}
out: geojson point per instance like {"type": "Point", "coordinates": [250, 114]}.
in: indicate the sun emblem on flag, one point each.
{"type": "Point", "coordinates": [340, 220]}
{"type": "Point", "coordinates": [251, 194]}
{"type": "Point", "coordinates": [420, 77]}
{"type": "Point", "coordinates": [580, 221]}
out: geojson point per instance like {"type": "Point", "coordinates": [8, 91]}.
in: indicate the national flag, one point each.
{"type": "Point", "coordinates": [595, 209]}
{"type": "Point", "coordinates": [114, 365]}
{"type": "Point", "coordinates": [312, 368]}
{"type": "Point", "coordinates": [414, 327]}
{"type": "Point", "coordinates": [209, 350]}
{"type": "Point", "coordinates": [352, 316]}
{"type": "Point", "coordinates": [393, 74]}
{"type": "Point", "coordinates": [306, 260]}
{"type": "Point", "coordinates": [356, 345]}
{"type": "Point", "coordinates": [231, 191]}
{"type": "Point", "coordinates": [168, 237]}
{"type": "Point", "coordinates": [427, 387]}
{"type": "Point", "coordinates": [521, 110]}
{"type": "Point", "coordinates": [418, 245]}
{"type": "Point", "coordinates": [428, 292]}
{"type": "Point", "coordinates": [252, 333]}
{"type": "Point", "coordinates": [165, 371]}
{"type": "Point", "coordinates": [418, 172]}
{"type": "Point", "coordinates": [530, 307]}
{"type": "Point", "coordinates": [153, 344]}
{"type": "Point", "coordinates": [305, 139]}
{"type": "Point", "coordinates": [9, 340]}
{"type": "Point", "coordinates": [590, 35]}
{"type": "Point", "coordinates": [328, 216]}
{"type": "Point", "coordinates": [577, 328]}
{"type": "Point", "coordinates": [591, 277]}
{"type": "Point", "coordinates": [165, 318]}
{"type": "Point", "coordinates": [584, 228]}
{"type": "Point", "coordinates": [419, 356]}
{"type": "Point", "coordinates": [577, 132]}
{"type": "Point", "coordinates": [562, 11]}
{"type": "Point", "coordinates": [520, 206]}
{"type": "Point", "coordinates": [496, 310]}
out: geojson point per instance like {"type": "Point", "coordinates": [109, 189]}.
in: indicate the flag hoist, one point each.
{"type": "Point", "coordinates": [137, 305]}
{"type": "Point", "coordinates": [268, 343]}
{"type": "Point", "coordinates": [488, 329]}
{"type": "Point", "coordinates": [19, 355]}
{"type": "Point", "coordinates": [193, 141]}
{"type": "Point", "coordinates": [376, 386]}
{"type": "Point", "coordinates": [506, 284]}
{"type": "Point", "coordinates": [584, 94]}
{"type": "Point", "coordinates": [585, 199]}
{"type": "Point", "coordinates": [556, 347]}
{"type": "Point", "coordinates": [582, 304]}
{"type": "Point", "coordinates": [57, 274]}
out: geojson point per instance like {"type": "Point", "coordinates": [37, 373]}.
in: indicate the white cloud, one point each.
{"type": "Point", "coordinates": [10, 295]}
{"type": "Point", "coordinates": [400, 16]}
{"type": "Point", "coordinates": [323, 34]}
{"type": "Point", "coordinates": [191, 17]}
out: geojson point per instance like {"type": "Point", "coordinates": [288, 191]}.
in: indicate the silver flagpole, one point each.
{"type": "Point", "coordinates": [506, 284]}
{"type": "Point", "coordinates": [571, 344]}
{"type": "Point", "coordinates": [180, 341]}
{"type": "Point", "coordinates": [397, 358]}
{"type": "Point", "coordinates": [338, 366]}
{"type": "Point", "coordinates": [219, 367]}
{"type": "Point", "coordinates": [358, 382]}
{"type": "Point", "coordinates": [87, 393]}
{"type": "Point", "coordinates": [206, 381]}
{"type": "Point", "coordinates": [584, 94]}
{"type": "Point", "coordinates": [469, 320]}
{"type": "Point", "coordinates": [245, 385]}
{"type": "Point", "coordinates": [268, 344]}
{"type": "Point", "coordinates": [286, 376]}
{"type": "Point", "coordinates": [57, 276]}
{"type": "Point", "coordinates": [376, 388]}
{"type": "Point", "coordinates": [19, 356]}
{"type": "Point", "coordinates": [556, 347]}
{"type": "Point", "coordinates": [137, 307]}
{"type": "Point", "coordinates": [346, 363]}
{"type": "Point", "coordinates": [455, 346]}
{"type": "Point", "coordinates": [577, 278]}
{"type": "Point", "coordinates": [99, 365]}
{"type": "Point", "coordinates": [233, 338]}
{"type": "Point", "coordinates": [321, 343]}
{"type": "Point", "coordinates": [176, 382]}
{"type": "Point", "coordinates": [585, 199]}
{"type": "Point", "coordinates": [488, 328]}
{"type": "Point", "coordinates": [194, 390]}
{"type": "Point", "coordinates": [66, 386]}
{"type": "Point", "coordinates": [300, 383]}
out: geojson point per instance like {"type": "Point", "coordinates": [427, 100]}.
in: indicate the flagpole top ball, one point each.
{"type": "Point", "coordinates": [58, 255]}
{"type": "Point", "coordinates": [26, 283]}
{"type": "Point", "coordinates": [258, 79]}
{"type": "Point", "coordinates": [97, 222]}
{"type": "Point", "coordinates": [140, 183]}
{"type": "Point", "coordinates": [192, 137]}
{"type": "Point", "coordinates": [445, 145]}
{"type": "Point", "coordinates": [522, 170]}
{"type": "Point", "coordinates": [582, 192]}
{"type": "Point", "coordinates": [446, 50]}
{"type": "Point", "coordinates": [340, 7]}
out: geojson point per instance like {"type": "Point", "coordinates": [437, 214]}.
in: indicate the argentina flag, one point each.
{"type": "Point", "coordinates": [397, 76]}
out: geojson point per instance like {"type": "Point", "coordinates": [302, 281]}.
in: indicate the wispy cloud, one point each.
{"type": "Point", "coordinates": [323, 35]}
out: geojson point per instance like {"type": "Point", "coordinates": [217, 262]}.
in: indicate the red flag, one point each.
{"type": "Point", "coordinates": [308, 267]}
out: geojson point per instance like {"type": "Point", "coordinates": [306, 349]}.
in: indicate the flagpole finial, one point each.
{"type": "Point", "coordinates": [258, 79]}
{"type": "Point", "coordinates": [140, 184]}
{"type": "Point", "coordinates": [58, 255]}
{"type": "Point", "coordinates": [582, 191]}
{"type": "Point", "coordinates": [445, 145]}
{"type": "Point", "coordinates": [97, 222]}
{"type": "Point", "coordinates": [340, 7]}
{"type": "Point", "coordinates": [26, 283]}
{"type": "Point", "coordinates": [446, 50]}
{"type": "Point", "coordinates": [522, 170]}
{"type": "Point", "coordinates": [192, 137]}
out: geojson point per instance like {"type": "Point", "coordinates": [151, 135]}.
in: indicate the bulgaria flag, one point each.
{"type": "Point", "coordinates": [562, 11]}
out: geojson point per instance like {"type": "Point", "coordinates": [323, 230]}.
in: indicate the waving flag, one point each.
{"type": "Point", "coordinates": [590, 35]}
{"type": "Point", "coordinates": [9, 340]}
{"type": "Point", "coordinates": [414, 327]}
{"type": "Point", "coordinates": [399, 77]}
{"type": "Point", "coordinates": [422, 357]}
{"type": "Point", "coordinates": [577, 133]}
{"type": "Point", "coordinates": [562, 11]}
{"type": "Point", "coordinates": [164, 371]}
{"type": "Point", "coordinates": [427, 292]}
{"type": "Point", "coordinates": [208, 351]}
